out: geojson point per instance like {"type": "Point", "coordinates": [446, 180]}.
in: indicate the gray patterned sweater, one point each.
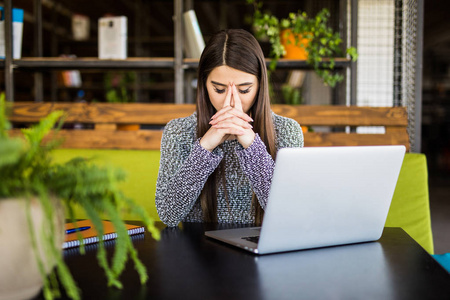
{"type": "Point", "coordinates": [185, 166]}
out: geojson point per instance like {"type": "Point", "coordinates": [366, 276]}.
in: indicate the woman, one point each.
{"type": "Point", "coordinates": [217, 164]}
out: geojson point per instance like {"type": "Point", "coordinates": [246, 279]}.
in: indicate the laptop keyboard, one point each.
{"type": "Point", "coordinates": [253, 239]}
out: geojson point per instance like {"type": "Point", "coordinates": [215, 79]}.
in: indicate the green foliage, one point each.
{"type": "Point", "coordinates": [292, 95]}
{"type": "Point", "coordinates": [322, 41]}
{"type": "Point", "coordinates": [117, 86]}
{"type": "Point", "coordinates": [26, 170]}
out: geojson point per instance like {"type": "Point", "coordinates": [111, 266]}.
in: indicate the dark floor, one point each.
{"type": "Point", "coordinates": [439, 190]}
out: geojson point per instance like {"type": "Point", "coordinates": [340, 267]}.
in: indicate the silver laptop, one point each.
{"type": "Point", "coordinates": [323, 196]}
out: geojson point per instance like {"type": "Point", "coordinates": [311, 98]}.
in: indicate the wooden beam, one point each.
{"type": "Point", "coordinates": [151, 139]}
{"type": "Point", "coordinates": [105, 139]}
{"type": "Point", "coordinates": [160, 114]}
{"type": "Point", "coordinates": [328, 139]}
{"type": "Point", "coordinates": [312, 115]}
{"type": "Point", "coordinates": [105, 116]}
{"type": "Point", "coordinates": [141, 113]}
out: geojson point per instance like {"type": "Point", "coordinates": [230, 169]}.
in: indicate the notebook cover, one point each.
{"type": "Point", "coordinates": [90, 235]}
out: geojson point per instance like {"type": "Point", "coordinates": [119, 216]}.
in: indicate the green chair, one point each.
{"type": "Point", "coordinates": [141, 167]}
{"type": "Point", "coordinates": [410, 207]}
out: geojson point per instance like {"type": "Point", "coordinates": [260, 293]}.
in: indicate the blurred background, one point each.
{"type": "Point", "coordinates": [436, 116]}
{"type": "Point", "coordinates": [383, 68]}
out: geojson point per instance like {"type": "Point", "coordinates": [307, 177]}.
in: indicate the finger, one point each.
{"type": "Point", "coordinates": [227, 101]}
{"type": "Point", "coordinates": [231, 119]}
{"type": "Point", "coordinates": [233, 123]}
{"type": "Point", "coordinates": [221, 112]}
{"type": "Point", "coordinates": [231, 129]}
{"type": "Point", "coordinates": [212, 138]}
{"type": "Point", "coordinates": [229, 113]}
{"type": "Point", "coordinates": [226, 104]}
{"type": "Point", "coordinates": [237, 100]}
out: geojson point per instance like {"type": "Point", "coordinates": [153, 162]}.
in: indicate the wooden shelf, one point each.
{"type": "Point", "coordinates": [172, 44]}
{"type": "Point", "coordinates": [340, 63]}
{"type": "Point", "coordinates": [154, 86]}
{"type": "Point", "coordinates": [43, 63]}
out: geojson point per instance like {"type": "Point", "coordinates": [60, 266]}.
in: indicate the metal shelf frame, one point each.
{"type": "Point", "coordinates": [49, 63]}
{"type": "Point", "coordinates": [177, 63]}
{"type": "Point", "coordinates": [8, 63]}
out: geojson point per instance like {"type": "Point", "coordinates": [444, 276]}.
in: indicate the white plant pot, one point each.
{"type": "Point", "coordinates": [19, 274]}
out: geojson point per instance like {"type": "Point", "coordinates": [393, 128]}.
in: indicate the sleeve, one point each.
{"type": "Point", "coordinates": [289, 133]}
{"type": "Point", "coordinates": [257, 163]}
{"type": "Point", "coordinates": [258, 166]}
{"type": "Point", "coordinates": [184, 168]}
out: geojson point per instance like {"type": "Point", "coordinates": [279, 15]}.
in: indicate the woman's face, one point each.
{"type": "Point", "coordinates": [218, 85]}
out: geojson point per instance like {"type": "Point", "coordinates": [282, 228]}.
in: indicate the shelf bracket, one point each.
{"type": "Point", "coordinates": [178, 51]}
{"type": "Point", "coordinates": [38, 49]}
{"type": "Point", "coordinates": [9, 75]}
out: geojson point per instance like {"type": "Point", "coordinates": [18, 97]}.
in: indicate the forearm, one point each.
{"type": "Point", "coordinates": [176, 193]}
{"type": "Point", "coordinates": [258, 166]}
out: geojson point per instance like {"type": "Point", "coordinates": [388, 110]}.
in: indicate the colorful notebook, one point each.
{"type": "Point", "coordinates": [90, 235]}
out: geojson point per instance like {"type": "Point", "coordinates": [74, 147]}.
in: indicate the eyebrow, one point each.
{"type": "Point", "coordinates": [222, 84]}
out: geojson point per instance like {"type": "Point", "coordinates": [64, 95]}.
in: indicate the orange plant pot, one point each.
{"type": "Point", "coordinates": [294, 51]}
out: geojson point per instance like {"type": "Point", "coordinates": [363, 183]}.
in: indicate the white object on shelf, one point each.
{"type": "Point", "coordinates": [112, 38]}
{"type": "Point", "coordinates": [17, 30]}
{"type": "Point", "coordinates": [194, 43]}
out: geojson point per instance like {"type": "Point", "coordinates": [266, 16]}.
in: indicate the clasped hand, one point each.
{"type": "Point", "coordinates": [228, 123]}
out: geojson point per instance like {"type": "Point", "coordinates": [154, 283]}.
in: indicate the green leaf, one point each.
{"type": "Point", "coordinates": [4, 123]}
{"type": "Point", "coordinates": [11, 151]}
{"type": "Point", "coordinates": [353, 53]}
{"type": "Point", "coordinates": [26, 169]}
{"type": "Point", "coordinates": [285, 23]}
{"type": "Point", "coordinates": [322, 41]}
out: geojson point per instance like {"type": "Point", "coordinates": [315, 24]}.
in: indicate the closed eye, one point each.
{"type": "Point", "coordinates": [244, 91]}
{"type": "Point", "coordinates": [219, 91]}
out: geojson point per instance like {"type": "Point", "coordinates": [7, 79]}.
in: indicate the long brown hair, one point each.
{"type": "Point", "coordinates": [238, 49]}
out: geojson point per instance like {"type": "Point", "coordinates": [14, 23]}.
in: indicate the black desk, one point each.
{"type": "Point", "coordinates": [186, 265]}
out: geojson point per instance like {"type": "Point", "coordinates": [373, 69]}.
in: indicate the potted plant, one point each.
{"type": "Point", "coordinates": [292, 95]}
{"type": "Point", "coordinates": [117, 86]}
{"type": "Point", "coordinates": [318, 40]}
{"type": "Point", "coordinates": [42, 194]}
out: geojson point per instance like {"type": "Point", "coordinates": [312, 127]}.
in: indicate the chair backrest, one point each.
{"type": "Point", "coordinates": [410, 207]}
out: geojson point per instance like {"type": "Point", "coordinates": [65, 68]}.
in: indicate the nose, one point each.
{"type": "Point", "coordinates": [230, 86]}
